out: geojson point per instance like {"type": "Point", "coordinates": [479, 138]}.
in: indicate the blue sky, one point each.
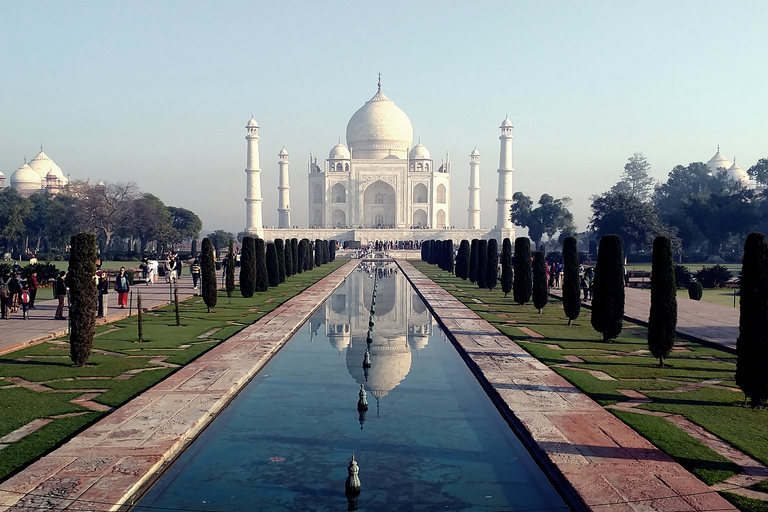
{"type": "Point", "coordinates": [159, 92]}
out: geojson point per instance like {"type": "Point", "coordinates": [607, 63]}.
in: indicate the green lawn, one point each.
{"type": "Point", "coordinates": [697, 383]}
{"type": "Point", "coordinates": [119, 367]}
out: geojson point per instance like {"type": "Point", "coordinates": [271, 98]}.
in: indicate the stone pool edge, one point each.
{"type": "Point", "coordinates": [598, 462]}
{"type": "Point", "coordinates": [108, 465]}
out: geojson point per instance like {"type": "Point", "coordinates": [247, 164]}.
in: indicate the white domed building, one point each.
{"type": "Point", "coordinates": [26, 180]}
{"type": "Point", "coordinates": [41, 173]}
{"type": "Point", "coordinates": [379, 179]}
{"type": "Point", "coordinates": [719, 164]}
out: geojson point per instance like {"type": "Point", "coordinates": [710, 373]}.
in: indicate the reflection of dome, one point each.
{"type": "Point", "coordinates": [737, 174]}
{"type": "Point", "coordinates": [418, 341]}
{"type": "Point", "coordinates": [718, 161]}
{"type": "Point", "coordinates": [390, 363]}
{"type": "Point", "coordinates": [420, 152]}
{"type": "Point", "coordinates": [43, 165]}
{"type": "Point", "coordinates": [339, 152]}
{"type": "Point", "coordinates": [379, 127]}
{"type": "Point", "coordinates": [26, 180]}
{"type": "Point", "coordinates": [339, 336]}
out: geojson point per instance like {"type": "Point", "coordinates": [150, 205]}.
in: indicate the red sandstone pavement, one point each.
{"type": "Point", "coordinates": [606, 464]}
{"type": "Point", "coordinates": [106, 465]}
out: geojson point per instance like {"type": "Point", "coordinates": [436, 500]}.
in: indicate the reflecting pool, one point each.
{"type": "Point", "coordinates": [430, 440]}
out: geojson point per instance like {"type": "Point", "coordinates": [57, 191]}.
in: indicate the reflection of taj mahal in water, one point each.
{"type": "Point", "coordinates": [402, 324]}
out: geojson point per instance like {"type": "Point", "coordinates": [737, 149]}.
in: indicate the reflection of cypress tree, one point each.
{"type": "Point", "coordinates": [752, 343]}
{"type": "Point", "coordinates": [273, 270]}
{"type": "Point", "coordinates": [208, 287]}
{"type": "Point", "coordinates": [288, 258]}
{"type": "Point", "coordinates": [248, 267]}
{"type": "Point", "coordinates": [482, 262]}
{"type": "Point", "coordinates": [540, 288]}
{"type": "Point", "coordinates": [462, 260]}
{"type": "Point", "coordinates": [521, 283]}
{"type": "Point", "coordinates": [297, 263]}
{"type": "Point", "coordinates": [570, 284]}
{"type": "Point", "coordinates": [229, 282]}
{"type": "Point", "coordinates": [262, 278]}
{"type": "Point", "coordinates": [662, 322]}
{"type": "Point", "coordinates": [492, 267]}
{"type": "Point", "coordinates": [473, 261]}
{"type": "Point", "coordinates": [318, 252]}
{"type": "Point", "coordinates": [608, 288]}
{"type": "Point", "coordinates": [506, 266]}
{"type": "Point", "coordinates": [280, 259]}
{"type": "Point", "coordinates": [83, 298]}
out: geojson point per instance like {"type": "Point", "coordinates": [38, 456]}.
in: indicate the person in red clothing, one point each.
{"type": "Point", "coordinates": [32, 283]}
{"type": "Point", "coordinates": [122, 287]}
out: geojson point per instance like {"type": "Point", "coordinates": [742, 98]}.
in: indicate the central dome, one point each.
{"type": "Point", "coordinates": [379, 129]}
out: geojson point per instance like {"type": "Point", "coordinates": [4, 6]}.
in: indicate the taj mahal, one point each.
{"type": "Point", "coordinates": [379, 186]}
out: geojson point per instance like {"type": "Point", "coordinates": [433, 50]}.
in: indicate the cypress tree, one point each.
{"type": "Point", "coordinates": [332, 250]}
{"type": "Point", "coordinates": [302, 257]}
{"type": "Point", "coordinates": [208, 287]}
{"type": "Point", "coordinates": [506, 266]}
{"type": "Point", "coordinates": [83, 297]}
{"type": "Point", "coordinates": [248, 267]}
{"type": "Point", "coordinates": [288, 257]}
{"type": "Point", "coordinates": [309, 256]}
{"type": "Point", "coordinates": [482, 262]}
{"type": "Point", "coordinates": [424, 250]}
{"type": "Point", "coordinates": [540, 288]}
{"type": "Point", "coordinates": [570, 285]}
{"type": "Point", "coordinates": [492, 267]}
{"type": "Point", "coordinates": [273, 268]}
{"type": "Point", "coordinates": [318, 252]}
{"type": "Point", "coordinates": [280, 258]}
{"type": "Point", "coordinates": [662, 322]}
{"type": "Point", "coordinates": [462, 260]}
{"type": "Point", "coordinates": [297, 263]}
{"type": "Point", "coordinates": [229, 282]}
{"type": "Point", "coordinates": [262, 278]}
{"type": "Point", "coordinates": [473, 261]}
{"type": "Point", "coordinates": [522, 286]}
{"type": "Point", "coordinates": [752, 343]}
{"type": "Point", "coordinates": [448, 254]}
{"type": "Point", "coordinates": [608, 288]}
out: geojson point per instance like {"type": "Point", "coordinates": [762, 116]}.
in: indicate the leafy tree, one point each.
{"type": "Point", "coordinates": [83, 298]}
{"type": "Point", "coordinates": [248, 267]}
{"type": "Point", "coordinates": [570, 285]}
{"type": "Point", "coordinates": [280, 258]}
{"type": "Point", "coordinates": [229, 282]}
{"type": "Point", "coordinates": [548, 218]}
{"type": "Point", "coordinates": [209, 287]}
{"type": "Point", "coordinates": [682, 183]}
{"type": "Point", "coordinates": [714, 216]}
{"type": "Point", "coordinates": [715, 276]}
{"type": "Point", "coordinates": [759, 171]}
{"type": "Point", "coordinates": [608, 288]}
{"type": "Point", "coordinates": [506, 266]}
{"type": "Point", "coordinates": [273, 269]}
{"type": "Point", "coordinates": [13, 210]}
{"type": "Point", "coordinates": [662, 322]}
{"type": "Point", "coordinates": [492, 266]}
{"type": "Point", "coordinates": [148, 218]}
{"type": "Point", "coordinates": [462, 260]}
{"type": "Point", "coordinates": [752, 343]}
{"type": "Point", "coordinates": [106, 207]}
{"type": "Point", "coordinates": [262, 278]}
{"type": "Point", "coordinates": [482, 262]}
{"type": "Point", "coordinates": [186, 222]}
{"type": "Point", "coordinates": [473, 259]}
{"type": "Point", "coordinates": [636, 180]}
{"type": "Point", "coordinates": [522, 286]}
{"type": "Point", "coordinates": [220, 239]}
{"type": "Point", "coordinates": [540, 288]}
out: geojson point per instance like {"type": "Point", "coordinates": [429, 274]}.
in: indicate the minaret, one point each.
{"type": "Point", "coordinates": [504, 200]}
{"type": "Point", "coordinates": [474, 190]}
{"type": "Point", "coordinates": [253, 199]}
{"type": "Point", "coordinates": [283, 191]}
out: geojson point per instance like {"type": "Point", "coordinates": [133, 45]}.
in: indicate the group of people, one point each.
{"type": "Point", "coordinates": [17, 294]}
{"type": "Point", "coordinates": [586, 277]}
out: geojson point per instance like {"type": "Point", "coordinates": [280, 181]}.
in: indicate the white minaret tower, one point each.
{"type": "Point", "coordinates": [474, 190]}
{"type": "Point", "coordinates": [253, 199]}
{"type": "Point", "coordinates": [283, 191]}
{"type": "Point", "coordinates": [504, 200]}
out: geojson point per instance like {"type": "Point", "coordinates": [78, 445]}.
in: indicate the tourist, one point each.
{"type": "Point", "coordinates": [60, 290]}
{"type": "Point", "coordinates": [195, 270]}
{"type": "Point", "coordinates": [33, 260]}
{"type": "Point", "coordinates": [170, 269]}
{"type": "Point", "coordinates": [25, 302]}
{"type": "Point", "coordinates": [122, 287]}
{"type": "Point", "coordinates": [33, 285]}
{"type": "Point", "coordinates": [5, 294]}
{"type": "Point", "coordinates": [179, 265]}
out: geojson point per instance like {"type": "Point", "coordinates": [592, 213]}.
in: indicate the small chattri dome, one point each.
{"type": "Point", "coordinates": [283, 152]}
{"type": "Point", "coordinates": [506, 123]}
{"type": "Point", "coordinates": [339, 152]}
{"type": "Point", "coordinates": [419, 152]}
{"type": "Point", "coordinates": [252, 123]}
{"type": "Point", "coordinates": [737, 174]}
{"type": "Point", "coordinates": [474, 152]}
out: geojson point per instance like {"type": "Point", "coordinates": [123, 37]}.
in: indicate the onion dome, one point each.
{"type": "Point", "coordinates": [43, 165]}
{"type": "Point", "coordinates": [339, 152]}
{"type": "Point", "coordinates": [419, 152]}
{"type": "Point", "coordinates": [718, 162]}
{"type": "Point", "coordinates": [474, 152]}
{"type": "Point", "coordinates": [26, 180]}
{"type": "Point", "coordinates": [737, 174]}
{"type": "Point", "coordinates": [252, 123]}
{"type": "Point", "coordinates": [379, 128]}
{"type": "Point", "coordinates": [283, 152]}
{"type": "Point", "coordinates": [506, 123]}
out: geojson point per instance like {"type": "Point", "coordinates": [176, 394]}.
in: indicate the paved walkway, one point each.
{"type": "Point", "coordinates": [598, 459]}
{"type": "Point", "coordinates": [16, 332]}
{"type": "Point", "coordinates": [697, 320]}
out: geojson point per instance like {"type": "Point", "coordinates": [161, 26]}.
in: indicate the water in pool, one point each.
{"type": "Point", "coordinates": [430, 440]}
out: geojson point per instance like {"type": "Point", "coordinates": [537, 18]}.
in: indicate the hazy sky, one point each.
{"type": "Point", "coordinates": [159, 92]}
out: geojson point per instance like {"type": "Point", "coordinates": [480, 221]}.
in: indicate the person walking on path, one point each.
{"type": "Point", "coordinates": [195, 271]}
{"type": "Point", "coordinates": [122, 287]}
{"type": "Point", "coordinates": [25, 297]}
{"type": "Point", "coordinates": [170, 270]}
{"type": "Point", "coordinates": [60, 289]}
{"type": "Point", "coordinates": [5, 294]}
{"type": "Point", "coordinates": [33, 285]}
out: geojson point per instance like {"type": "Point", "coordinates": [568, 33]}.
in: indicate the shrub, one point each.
{"type": "Point", "coordinates": [695, 290]}
{"type": "Point", "coordinates": [608, 288]}
{"type": "Point", "coordinates": [506, 266]}
{"type": "Point", "coordinates": [492, 267]}
{"type": "Point", "coordinates": [332, 250]}
{"type": "Point", "coordinates": [280, 259]}
{"type": "Point", "coordinates": [662, 322]}
{"type": "Point", "coordinates": [682, 276]}
{"type": "Point", "coordinates": [318, 252]}
{"type": "Point", "coordinates": [208, 287]}
{"type": "Point", "coordinates": [288, 259]}
{"type": "Point", "coordinates": [521, 283]}
{"type": "Point", "coordinates": [297, 264]}
{"type": "Point", "coordinates": [482, 262]}
{"type": "Point", "coordinates": [262, 278]}
{"type": "Point", "coordinates": [301, 258]}
{"type": "Point", "coordinates": [462, 260]}
{"type": "Point", "coordinates": [248, 267]}
{"type": "Point", "coordinates": [713, 277]}
{"type": "Point", "coordinates": [273, 270]}
{"type": "Point", "coordinates": [229, 282]}
{"type": "Point", "coordinates": [83, 297]}
{"type": "Point", "coordinates": [473, 261]}
{"type": "Point", "coordinates": [448, 256]}
{"type": "Point", "coordinates": [540, 288]}
{"type": "Point", "coordinates": [570, 284]}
